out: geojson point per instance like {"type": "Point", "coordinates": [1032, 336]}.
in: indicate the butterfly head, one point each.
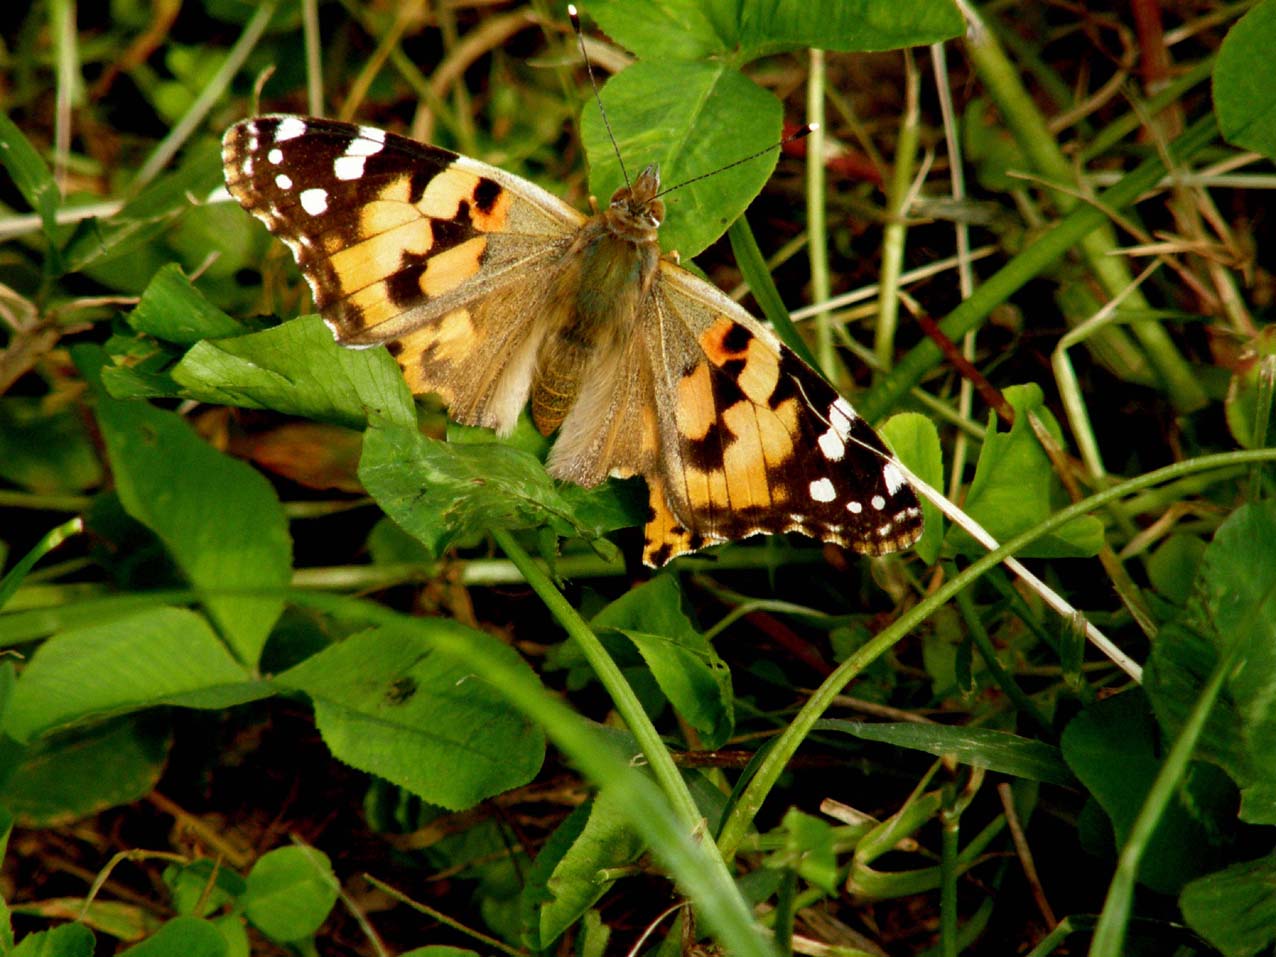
{"type": "Point", "coordinates": [634, 212]}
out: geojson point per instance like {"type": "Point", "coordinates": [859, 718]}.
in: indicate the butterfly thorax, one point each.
{"type": "Point", "coordinates": [593, 303]}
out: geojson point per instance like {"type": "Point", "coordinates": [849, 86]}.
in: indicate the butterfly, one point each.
{"type": "Point", "coordinates": [492, 292]}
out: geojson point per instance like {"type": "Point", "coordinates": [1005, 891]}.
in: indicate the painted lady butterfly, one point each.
{"type": "Point", "coordinates": [490, 291]}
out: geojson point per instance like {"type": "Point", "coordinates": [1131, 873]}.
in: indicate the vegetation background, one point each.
{"type": "Point", "coordinates": [291, 673]}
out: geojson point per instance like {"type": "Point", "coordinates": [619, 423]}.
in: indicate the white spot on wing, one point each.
{"type": "Point", "coordinates": [822, 490]}
{"type": "Point", "coordinates": [348, 167]}
{"type": "Point", "coordinates": [283, 181]}
{"type": "Point", "coordinates": [854, 507]}
{"type": "Point", "coordinates": [841, 415]}
{"type": "Point", "coordinates": [289, 128]}
{"type": "Point", "coordinates": [369, 143]}
{"type": "Point", "coordinates": [894, 478]}
{"type": "Point", "coordinates": [314, 201]}
{"type": "Point", "coordinates": [832, 445]}
{"type": "Point", "coordinates": [247, 165]}
{"type": "Point", "coordinates": [276, 156]}
{"type": "Point", "coordinates": [877, 502]}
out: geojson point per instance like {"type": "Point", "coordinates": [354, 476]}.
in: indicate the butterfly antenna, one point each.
{"type": "Point", "coordinates": [804, 131]}
{"type": "Point", "coordinates": [593, 81]}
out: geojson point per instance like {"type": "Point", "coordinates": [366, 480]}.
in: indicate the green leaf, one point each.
{"type": "Point", "coordinates": [157, 656]}
{"type": "Point", "coordinates": [68, 940]}
{"type": "Point", "coordinates": [184, 936]}
{"type": "Point", "coordinates": [1234, 601]}
{"type": "Point", "coordinates": [97, 243]}
{"type": "Point", "coordinates": [441, 491]}
{"type": "Point", "coordinates": [202, 887]}
{"type": "Point", "coordinates": [1015, 488]}
{"type": "Point", "coordinates": [217, 516]}
{"type": "Point", "coordinates": [1235, 908]}
{"type": "Point", "coordinates": [691, 118]}
{"type": "Point", "coordinates": [72, 775]}
{"type": "Point", "coordinates": [695, 680]}
{"type": "Point", "coordinates": [979, 747]}
{"type": "Point", "coordinates": [298, 369]}
{"type": "Point", "coordinates": [808, 849]}
{"type": "Point", "coordinates": [915, 441]}
{"type": "Point", "coordinates": [1112, 748]}
{"type": "Point", "coordinates": [290, 892]}
{"type": "Point", "coordinates": [747, 29]}
{"type": "Point", "coordinates": [45, 448]}
{"type": "Point", "coordinates": [172, 309]}
{"type": "Point", "coordinates": [1244, 96]}
{"type": "Point", "coordinates": [386, 703]}
{"type": "Point", "coordinates": [564, 883]}
{"type": "Point", "coordinates": [30, 175]}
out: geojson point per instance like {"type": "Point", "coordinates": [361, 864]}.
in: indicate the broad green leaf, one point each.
{"type": "Point", "coordinates": [808, 849]}
{"type": "Point", "coordinates": [691, 118]}
{"type": "Point", "coordinates": [979, 747]}
{"type": "Point", "coordinates": [1112, 748]}
{"type": "Point", "coordinates": [290, 892]}
{"type": "Point", "coordinates": [218, 517]}
{"type": "Point", "coordinates": [564, 883]}
{"type": "Point", "coordinates": [441, 491]}
{"type": "Point", "coordinates": [100, 243]}
{"type": "Point", "coordinates": [1235, 908]}
{"type": "Point", "coordinates": [1247, 388]}
{"type": "Point", "coordinates": [67, 940]}
{"type": "Point", "coordinates": [45, 448]}
{"type": "Point", "coordinates": [1244, 95]}
{"type": "Point", "coordinates": [157, 656]}
{"type": "Point", "coordinates": [1015, 487]}
{"type": "Point", "coordinates": [202, 887]}
{"type": "Point", "coordinates": [78, 773]}
{"type": "Point", "coordinates": [184, 936]}
{"type": "Point", "coordinates": [172, 309]}
{"type": "Point", "coordinates": [30, 175]}
{"type": "Point", "coordinates": [915, 441]}
{"type": "Point", "coordinates": [695, 680]}
{"type": "Point", "coordinates": [386, 703]}
{"type": "Point", "coordinates": [1234, 601]}
{"type": "Point", "coordinates": [297, 368]}
{"type": "Point", "coordinates": [746, 29]}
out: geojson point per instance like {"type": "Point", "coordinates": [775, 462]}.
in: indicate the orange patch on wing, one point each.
{"type": "Point", "coordinates": [666, 537]}
{"type": "Point", "coordinates": [380, 254]}
{"type": "Point", "coordinates": [386, 213]}
{"type": "Point", "coordinates": [445, 192]}
{"type": "Point", "coordinates": [776, 430]}
{"type": "Point", "coordinates": [496, 217]}
{"type": "Point", "coordinates": [448, 269]}
{"type": "Point", "coordinates": [761, 372]}
{"type": "Point", "coordinates": [707, 491]}
{"type": "Point", "coordinates": [444, 342]}
{"type": "Point", "coordinates": [744, 461]}
{"type": "Point", "coordinates": [374, 305]}
{"type": "Point", "coordinates": [712, 341]}
{"type": "Point", "coordinates": [695, 410]}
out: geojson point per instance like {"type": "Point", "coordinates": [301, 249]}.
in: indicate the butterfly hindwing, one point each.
{"type": "Point", "coordinates": [757, 441]}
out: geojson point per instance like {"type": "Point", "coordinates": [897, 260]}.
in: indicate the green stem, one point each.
{"type": "Point", "coordinates": [896, 228]}
{"type": "Point", "coordinates": [611, 677]}
{"type": "Point", "coordinates": [753, 267]}
{"type": "Point", "coordinates": [785, 746]}
{"type": "Point", "coordinates": [817, 249]}
{"type": "Point", "coordinates": [1028, 264]}
{"type": "Point", "coordinates": [1002, 79]}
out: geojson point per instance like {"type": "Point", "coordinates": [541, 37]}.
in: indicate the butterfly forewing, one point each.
{"type": "Point", "coordinates": [465, 271]}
